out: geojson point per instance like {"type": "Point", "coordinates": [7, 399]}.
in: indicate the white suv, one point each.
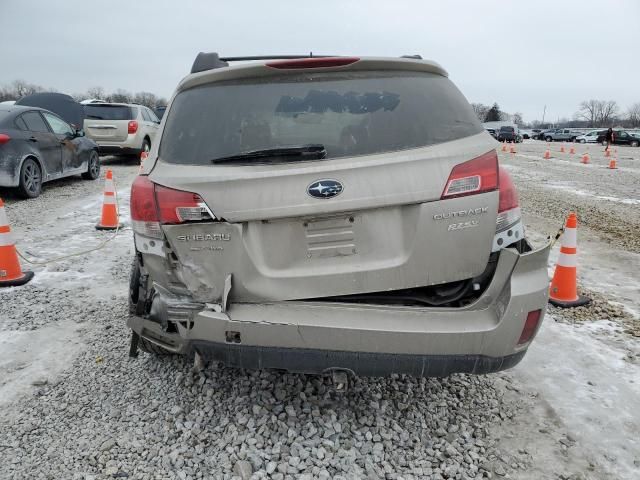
{"type": "Point", "coordinates": [120, 128]}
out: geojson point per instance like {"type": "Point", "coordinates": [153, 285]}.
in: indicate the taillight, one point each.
{"type": "Point", "coordinates": [508, 192]}
{"type": "Point", "coordinates": [132, 126]}
{"type": "Point", "coordinates": [317, 62]}
{"type": "Point", "coordinates": [530, 326]}
{"type": "Point", "coordinates": [177, 206]}
{"type": "Point", "coordinates": [154, 205]}
{"type": "Point", "coordinates": [144, 209]}
{"type": "Point", "coordinates": [4, 138]}
{"type": "Point", "coordinates": [479, 175]}
{"type": "Point", "coordinates": [508, 205]}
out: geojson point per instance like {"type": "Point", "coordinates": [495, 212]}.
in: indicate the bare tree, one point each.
{"type": "Point", "coordinates": [480, 110]}
{"type": "Point", "coordinates": [517, 119]}
{"type": "Point", "coordinates": [590, 111]}
{"type": "Point", "coordinates": [634, 115]}
{"type": "Point", "coordinates": [608, 112]}
{"type": "Point", "coordinates": [120, 96]}
{"type": "Point", "coordinates": [96, 92]}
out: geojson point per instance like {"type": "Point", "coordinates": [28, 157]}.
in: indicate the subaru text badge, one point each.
{"type": "Point", "coordinates": [325, 188]}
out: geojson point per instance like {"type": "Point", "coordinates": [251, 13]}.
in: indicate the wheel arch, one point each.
{"type": "Point", "coordinates": [38, 160]}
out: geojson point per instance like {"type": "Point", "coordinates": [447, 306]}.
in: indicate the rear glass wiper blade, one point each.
{"type": "Point", "coordinates": [295, 152]}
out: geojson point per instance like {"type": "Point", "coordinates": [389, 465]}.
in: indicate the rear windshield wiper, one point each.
{"type": "Point", "coordinates": [292, 153]}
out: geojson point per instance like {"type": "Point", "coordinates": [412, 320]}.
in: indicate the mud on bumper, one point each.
{"type": "Point", "coordinates": [371, 340]}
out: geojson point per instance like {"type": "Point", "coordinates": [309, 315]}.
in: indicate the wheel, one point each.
{"type": "Point", "coordinates": [634, 143]}
{"type": "Point", "coordinates": [582, 140]}
{"type": "Point", "coordinates": [549, 139]}
{"type": "Point", "coordinates": [93, 169]}
{"type": "Point", "coordinates": [150, 347]}
{"type": "Point", "coordinates": [146, 145]}
{"type": "Point", "coordinates": [30, 184]}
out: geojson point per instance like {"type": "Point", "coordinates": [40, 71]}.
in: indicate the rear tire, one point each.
{"type": "Point", "coordinates": [93, 168]}
{"type": "Point", "coordinates": [30, 185]}
{"type": "Point", "coordinates": [549, 139]}
{"type": "Point", "coordinates": [150, 347]}
{"type": "Point", "coordinates": [634, 143]}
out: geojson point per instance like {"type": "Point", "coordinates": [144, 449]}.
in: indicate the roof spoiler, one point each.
{"type": "Point", "coordinates": [209, 61]}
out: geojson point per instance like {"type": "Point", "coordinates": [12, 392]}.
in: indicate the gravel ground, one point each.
{"type": "Point", "coordinates": [97, 414]}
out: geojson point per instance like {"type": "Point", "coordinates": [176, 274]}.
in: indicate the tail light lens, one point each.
{"type": "Point", "coordinates": [154, 205]}
{"type": "Point", "coordinates": [177, 206]}
{"type": "Point", "coordinates": [479, 175]}
{"type": "Point", "coordinates": [508, 205]}
{"type": "Point", "coordinates": [530, 326]}
{"type": "Point", "coordinates": [4, 138]}
{"type": "Point", "coordinates": [144, 209]}
{"type": "Point", "coordinates": [132, 126]}
{"type": "Point", "coordinates": [318, 62]}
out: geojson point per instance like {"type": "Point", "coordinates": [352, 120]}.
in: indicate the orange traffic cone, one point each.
{"type": "Point", "coordinates": [573, 150]}
{"type": "Point", "coordinates": [561, 148]}
{"type": "Point", "coordinates": [585, 158]}
{"type": "Point", "coordinates": [143, 157]}
{"type": "Point", "coordinates": [613, 164]}
{"type": "Point", "coordinates": [547, 154]}
{"type": "Point", "coordinates": [504, 146]}
{"type": "Point", "coordinates": [512, 150]}
{"type": "Point", "coordinates": [11, 275]}
{"type": "Point", "coordinates": [109, 220]}
{"type": "Point", "coordinates": [563, 291]}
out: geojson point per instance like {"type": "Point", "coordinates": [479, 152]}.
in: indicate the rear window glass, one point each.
{"type": "Point", "coordinates": [109, 112]}
{"type": "Point", "coordinates": [506, 129]}
{"type": "Point", "coordinates": [355, 113]}
{"type": "Point", "coordinates": [34, 122]}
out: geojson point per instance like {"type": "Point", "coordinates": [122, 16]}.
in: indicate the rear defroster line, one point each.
{"type": "Point", "coordinates": [100, 246]}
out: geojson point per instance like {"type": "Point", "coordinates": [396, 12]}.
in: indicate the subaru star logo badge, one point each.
{"type": "Point", "coordinates": [325, 188]}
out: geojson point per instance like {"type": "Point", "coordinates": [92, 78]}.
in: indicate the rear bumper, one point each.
{"type": "Point", "coordinates": [315, 337]}
{"type": "Point", "coordinates": [362, 363]}
{"type": "Point", "coordinates": [118, 150]}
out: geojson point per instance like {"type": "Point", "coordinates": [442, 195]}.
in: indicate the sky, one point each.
{"type": "Point", "coordinates": [523, 55]}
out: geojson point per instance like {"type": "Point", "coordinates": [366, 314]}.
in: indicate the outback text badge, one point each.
{"type": "Point", "coordinates": [325, 188]}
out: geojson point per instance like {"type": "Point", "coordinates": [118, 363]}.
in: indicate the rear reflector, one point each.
{"type": "Point", "coordinates": [317, 62]}
{"type": "Point", "coordinates": [132, 126]}
{"type": "Point", "coordinates": [4, 138]}
{"type": "Point", "coordinates": [530, 326]}
{"type": "Point", "coordinates": [479, 175]}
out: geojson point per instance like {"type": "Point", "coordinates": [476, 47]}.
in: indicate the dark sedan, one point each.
{"type": "Point", "coordinates": [37, 146]}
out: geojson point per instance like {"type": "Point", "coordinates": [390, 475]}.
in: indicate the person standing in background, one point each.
{"type": "Point", "coordinates": [608, 138]}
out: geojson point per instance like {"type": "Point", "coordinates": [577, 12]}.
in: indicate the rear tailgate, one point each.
{"type": "Point", "coordinates": [108, 123]}
{"type": "Point", "coordinates": [386, 229]}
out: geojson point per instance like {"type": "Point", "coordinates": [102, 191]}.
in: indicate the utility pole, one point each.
{"type": "Point", "coordinates": [543, 114]}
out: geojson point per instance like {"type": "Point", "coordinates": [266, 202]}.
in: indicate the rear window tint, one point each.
{"type": "Point", "coordinates": [351, 114]}
{"type": "Point", "coordinates": [506, 129]}
{"type": "Point", "coordinates": [109, 112]}
{"type": "Point", "coordinates": [34, 122]}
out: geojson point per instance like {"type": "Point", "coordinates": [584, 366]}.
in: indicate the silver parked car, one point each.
{"type": "Point", "coordinates": [331, 214]}
{"type": "Point", "coordinates": [120, 128]}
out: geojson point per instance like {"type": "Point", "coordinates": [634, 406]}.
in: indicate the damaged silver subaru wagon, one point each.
{"type": "Point", "coordinates": [322, 214]}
